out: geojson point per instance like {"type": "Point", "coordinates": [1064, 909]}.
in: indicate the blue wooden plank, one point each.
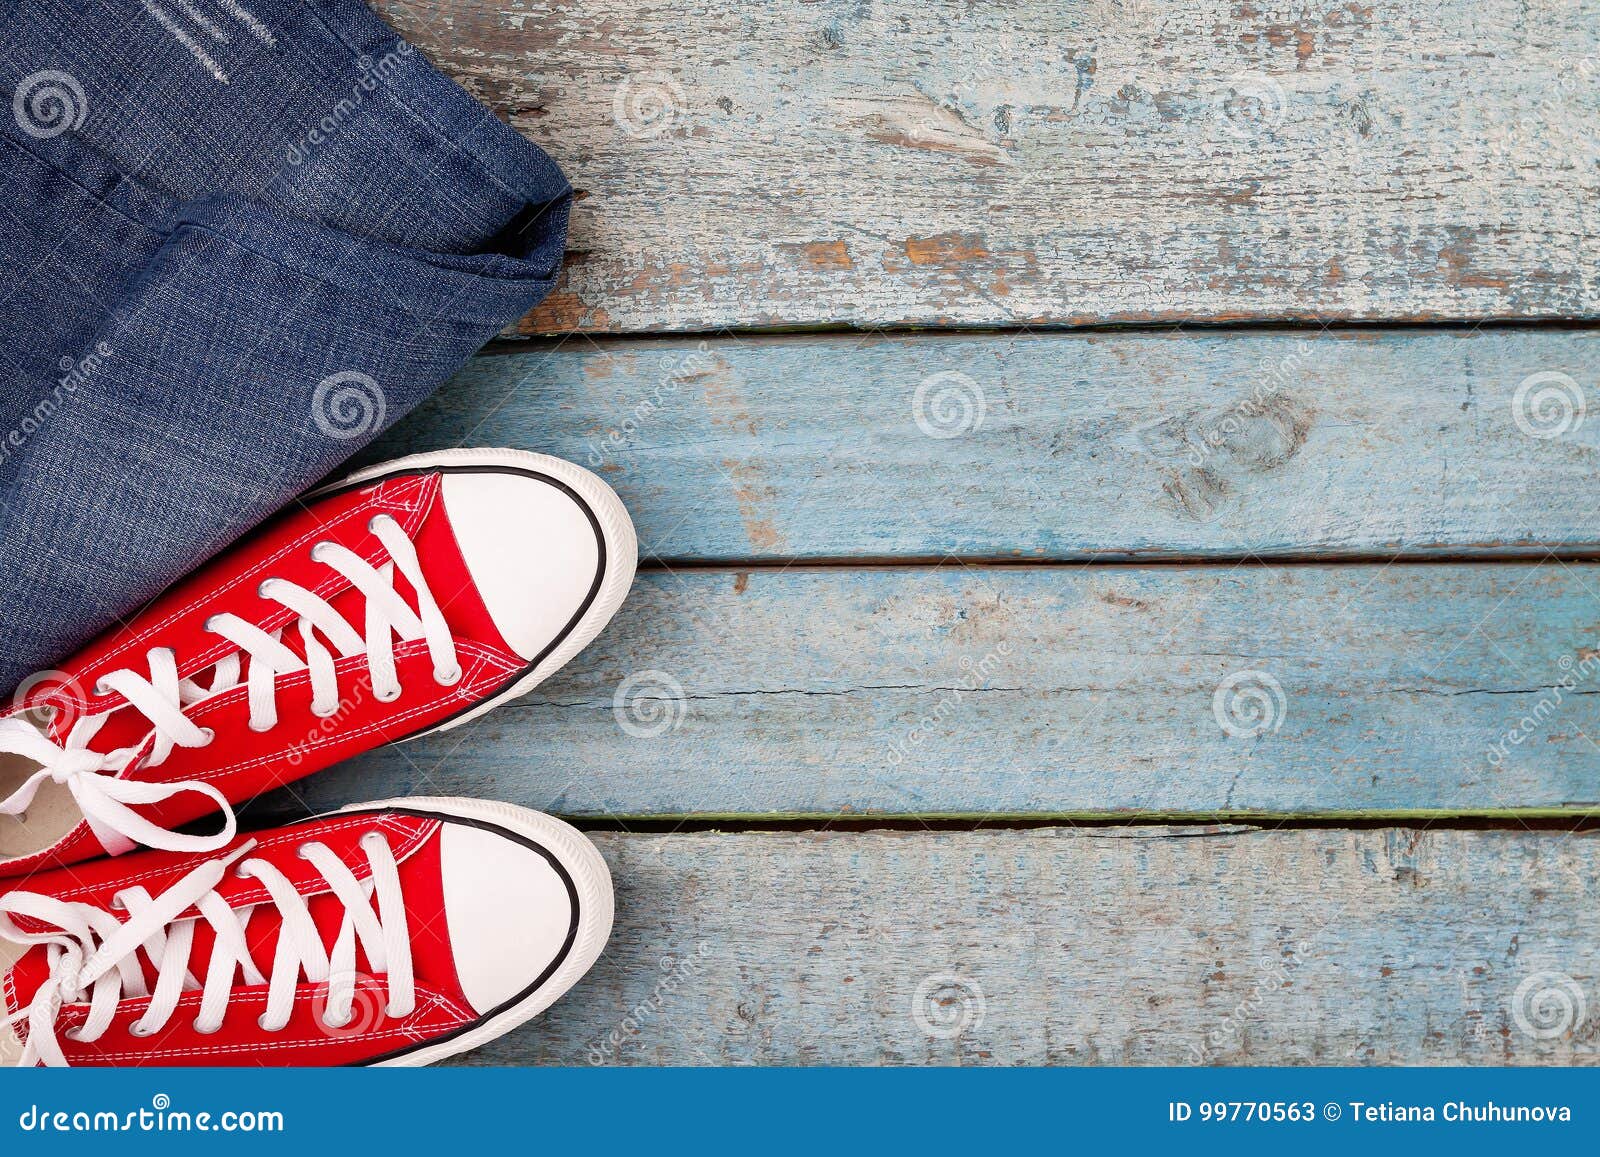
{"type": "Point", "coordinates": [1062, 446]}
{"type": "Point", "coordinates": [1133, 946]}
{"type": "Point", "coordinates": [973, 691]}
{"type": "Point", "coordinates": [814, 162]}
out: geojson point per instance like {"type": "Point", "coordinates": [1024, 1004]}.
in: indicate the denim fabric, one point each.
{"type": "Point", "coordinates": [239, 238]}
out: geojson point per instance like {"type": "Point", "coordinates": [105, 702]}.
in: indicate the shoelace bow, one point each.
{"type": "Point", "coordinates": [93, 955]}
{"type": "Point", "coordinates": [106, 801]}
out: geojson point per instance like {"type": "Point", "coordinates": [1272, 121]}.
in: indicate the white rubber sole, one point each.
{"type": "Point", "coordinates": [616, 528]}
{"type": "Point", "coordinates": [596, 907]}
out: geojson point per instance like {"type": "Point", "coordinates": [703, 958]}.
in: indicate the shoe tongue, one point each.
{"type": "Point", "coordinates": [420, 884]}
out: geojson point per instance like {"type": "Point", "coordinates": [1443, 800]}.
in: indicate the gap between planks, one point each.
{"type": "Point", "coordinates": [510, 344]}
{"type": "Point", "coordinates": [1455, 554]}
{"type": "Point", "coordinates": [278, 809]}
{"type": "Point", "coordinates": [1163, 825]}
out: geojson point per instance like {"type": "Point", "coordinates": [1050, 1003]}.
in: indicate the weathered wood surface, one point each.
{"type": "Point", "coordinates": [1126, 946]}
{"type": "Point", "coordinates": [896, 162]}
{"type": "Point", "coordinates": [1061, 446]}
{"type": "Point", "coordinates": [969, 691]}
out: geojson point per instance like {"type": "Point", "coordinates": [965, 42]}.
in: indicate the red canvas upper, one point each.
{"type": "Point", "coordinates": [240, 762]}
{"type": "Point", "coordinates": [441, 1007]}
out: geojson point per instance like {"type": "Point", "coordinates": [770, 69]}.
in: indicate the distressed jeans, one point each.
{"type": "Point", "coordinates": [238, 238]}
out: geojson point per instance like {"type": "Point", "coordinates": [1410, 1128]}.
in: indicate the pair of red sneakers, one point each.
{"type": "Point", "coordinates": [410, 598]}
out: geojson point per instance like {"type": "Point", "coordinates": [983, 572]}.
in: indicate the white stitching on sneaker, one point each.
{"type": "Point", "coordinates": [161, 698]}
{"type": "Point", "coordinates": [93, 956]}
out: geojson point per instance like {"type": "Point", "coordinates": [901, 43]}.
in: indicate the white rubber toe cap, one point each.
{"type": "Point", "coordinates": [509, 911]}
{"type": "Point", "coordinates": [531, 548]}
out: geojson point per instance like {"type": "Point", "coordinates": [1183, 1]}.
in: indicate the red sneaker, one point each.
{"type": "Point", "coordinates": [394, 933]}
{"type": "Point", "coordinates": [410, 598]}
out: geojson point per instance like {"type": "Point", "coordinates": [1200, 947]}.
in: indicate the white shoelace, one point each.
{"type": "Point", "coordinates": [91, 777]}
{"type": "Point", "coordinates": [93, 955]}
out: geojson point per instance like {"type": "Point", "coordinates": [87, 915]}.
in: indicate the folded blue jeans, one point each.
{"type": "Point", "coordinates": [239, 239]}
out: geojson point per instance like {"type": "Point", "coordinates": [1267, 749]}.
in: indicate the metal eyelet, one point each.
{"type": "Point", "coordinates": [260, 730]}
{"type": "Point", "coordinates": [261, 1023]}
{"type": "Point", "coordinates": [335, 1026]}
{"type": "Point", "coordinates": [448, 678]}
{"type": "Point", "coordinates": [209, 735]}
{"type": "Point", "coordinates": [390, 697]}
{"type": "Point", "coordinates": [135, 1030]}
{"type": "Point", "coordinates": [372, 523]}
{"type": "Point", "coordinates": [205, 1031]}
{"type": "Point", "coordinates": [319, 550]}
{"type": "Point", "coordinates": [264, 586]}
